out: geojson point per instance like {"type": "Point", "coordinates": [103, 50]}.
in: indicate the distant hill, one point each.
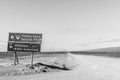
{"type": "Point", "coordinates": [109, 49]}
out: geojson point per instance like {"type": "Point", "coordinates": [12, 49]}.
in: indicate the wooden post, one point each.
{"type": "Point", "coordinates": [32, 59]}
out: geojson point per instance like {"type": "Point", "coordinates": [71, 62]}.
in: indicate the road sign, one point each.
{"type": "Point", "coordinates": [24, 47]}
{"type": "Point", "coordinates": [25, 37]}
{"type": "Point", "coordinates": [24, 42]}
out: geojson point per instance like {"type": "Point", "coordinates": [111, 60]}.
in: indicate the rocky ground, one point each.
{"type": "Point", "coordinates": [42, 64]}
{"type": "Point", "coordinates": [69, 67]}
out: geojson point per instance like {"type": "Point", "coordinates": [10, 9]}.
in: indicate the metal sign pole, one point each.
{"type": "Point", "coordinates": [32, 59]}
{"type": "Point", "coordinates": [16, 61]}
{"type": "Point", "coordinates": [14, 58]}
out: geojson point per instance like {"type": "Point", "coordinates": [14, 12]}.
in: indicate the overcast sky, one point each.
{"type": "Point", "coordinates": [65, 24]}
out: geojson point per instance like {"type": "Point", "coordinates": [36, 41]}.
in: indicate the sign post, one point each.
{"type": "Point", "coordinates": [32, 55]}
{"type": "Point", "coordinates": [24, 42]}
{"type": "Point", "coordinates": [15, 58]}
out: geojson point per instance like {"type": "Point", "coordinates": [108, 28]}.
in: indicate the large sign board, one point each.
{"type": "Point", "coordinates": [24, 42]}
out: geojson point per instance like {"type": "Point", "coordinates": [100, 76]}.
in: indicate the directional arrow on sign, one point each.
{"type": "Point", "coordinates": [12, 37]}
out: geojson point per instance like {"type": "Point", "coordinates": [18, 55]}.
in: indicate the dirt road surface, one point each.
{"type": "Point", "coordinates": [90, 68]}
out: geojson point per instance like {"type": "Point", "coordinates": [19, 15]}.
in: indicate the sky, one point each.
{"type": "Point", "coordinates": [65, 24]}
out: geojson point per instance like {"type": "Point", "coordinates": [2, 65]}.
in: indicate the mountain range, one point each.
{"type": "Point", "coordinates": [108, 49]}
